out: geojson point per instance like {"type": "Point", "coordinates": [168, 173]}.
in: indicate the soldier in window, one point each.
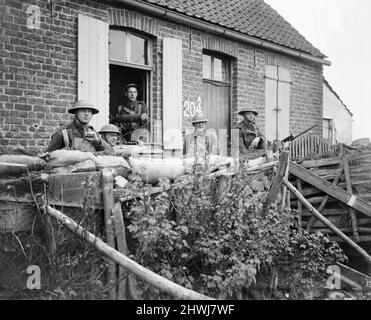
{"type": "Point", "coordinates": [131, 114]}
{"type": "Point", "coordinates": [250, 136]}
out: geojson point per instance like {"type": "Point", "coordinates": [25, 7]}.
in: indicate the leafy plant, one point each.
{"type": "Point", "coordinates": [220, 243]}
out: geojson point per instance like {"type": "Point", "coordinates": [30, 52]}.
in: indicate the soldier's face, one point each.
{"type": "Point", "coordinates": [132, 94]}
{"type": "Point", "coordinates": [111, 138]}
{"type": "Point", "coordinates": [84, 115]}
{"type": "Point", "coordinates": [200, 126]}
{"type": "Point", "coordinates": [250, 116]}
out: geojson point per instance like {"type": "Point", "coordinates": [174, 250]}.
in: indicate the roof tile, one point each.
{"type": "Point", "coordinates": [252, 17]}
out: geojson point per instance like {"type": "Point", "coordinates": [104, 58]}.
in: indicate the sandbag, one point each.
{"type": "Point", "coordinates": [84, 166]}
{"type": "Point", "coordinates": [119, 164]}
{"type": "Point", "coordinates": [255, 162]}
{"type": "Point", "coordinates": [212, 163]}
{"type": "Point", "coordinates": [33, 163]}
{"type": "Point", "coordinates": [152, 170]}
{"type": "Point", "coordinates": [64, 157]}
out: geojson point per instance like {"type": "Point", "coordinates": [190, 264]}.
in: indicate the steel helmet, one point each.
{"type": "Point", "coordinates": [109, 128]}
{"type": "Point", "coordinates": [83, 104]}
{"type": "Point", "coordinates": [248, 109]}
{"type": "Point", "coordinates": [199, 117]}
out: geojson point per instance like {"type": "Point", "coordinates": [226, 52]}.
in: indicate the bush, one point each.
{"type": "Point", "coordinates": [223, 246]}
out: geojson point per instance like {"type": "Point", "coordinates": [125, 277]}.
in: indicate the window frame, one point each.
{"type": "Point", "coordinates": [212, 68]}
{"type": "Point", "coordinates": [149, 53]}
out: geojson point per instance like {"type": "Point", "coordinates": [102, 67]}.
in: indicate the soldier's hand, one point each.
{"type": "Point", "coordinates": [255, 143]}
{"type": "Point", "coordinates": [143, 116]}
{"type": "Point", "coordinates": [93, 137]}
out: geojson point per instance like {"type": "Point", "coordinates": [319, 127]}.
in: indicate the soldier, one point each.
{"type": "Point", "coordinates": [250, 136]}
{"type": "Point", "coordinates": [201, 142]}
{"type": "Point", "coordinates": [78, 134]}
{"type": "Point", "coordinates": [131, 114]}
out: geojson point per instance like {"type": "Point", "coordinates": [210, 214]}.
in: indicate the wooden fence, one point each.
{"type": "Point", "coordinates": [311, 147]}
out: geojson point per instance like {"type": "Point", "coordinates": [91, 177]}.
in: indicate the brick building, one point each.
{"type": "Point", "coordinates": [186, 55]}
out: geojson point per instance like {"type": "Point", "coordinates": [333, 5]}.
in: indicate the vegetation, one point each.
{"type": "Point", "coordinates": [223, 246]}
{"type": "Point", "coordinates": [216, 242]}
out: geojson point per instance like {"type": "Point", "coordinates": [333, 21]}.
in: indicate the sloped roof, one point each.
{"type": "Point", "coordinates": [336, 95]}
{"type": "Point", "coordinates": [252, 17]}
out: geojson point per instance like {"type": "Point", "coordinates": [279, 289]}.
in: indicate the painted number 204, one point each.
{"type": "Point", "coordinates": [191, 108]}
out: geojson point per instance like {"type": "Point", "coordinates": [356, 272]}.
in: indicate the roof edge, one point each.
{"type": "Point", "coordinates": [218, 30]}
{"type": "Point", "coordinates": [337, 96]}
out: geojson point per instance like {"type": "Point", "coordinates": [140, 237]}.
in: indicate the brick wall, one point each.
{"type": "Point", "coordinates": [38, 80]}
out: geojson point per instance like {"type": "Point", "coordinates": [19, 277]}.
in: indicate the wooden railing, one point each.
{"type": "Point", "coordinates": [311, 147]}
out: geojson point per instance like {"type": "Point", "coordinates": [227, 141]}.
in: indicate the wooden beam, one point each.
{"type": "Point", "coordinates": [350, 190]}
{"type": "Point", "coordinates": [108, 180]}
{"type": "Point", "coordinates": [333, 191]}
{"type": "Point", "coordinates": [325, 200]}
{"type": "Point", "coordinates": [327, 223]}
{"type": "Point", "coordinates": [277, 181]}
{"type": "Point", "coordinates": [119, 258]}
{"type": "Point", "coordinates": [320, 162]}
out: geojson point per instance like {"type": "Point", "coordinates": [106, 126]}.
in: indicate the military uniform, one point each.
{"type": "Point", "coordinates": [200, 144]}
{"type": "Point", "coordinates": [128, 117]}
{"type": "Point", "coordinates": [71, 136]}
{"type": "Point", "coordinates": [248, 131]}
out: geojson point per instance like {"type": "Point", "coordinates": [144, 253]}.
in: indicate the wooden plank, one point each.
{"type": "Point", "coordinates": [145, 274]}
{"type": "Point", "coordinates": [284, 189]}
{"type": "Point", "coordinates": [320, 162]}
{"type": "Point", "coordinates": [325, 200]}
{"type": "Point", "coordinates": [359, 169]}
{"type": "Point", "coordinates": [355, 276]}
{"type": "Point", "coordinates": [76, 187]}
{"type": "Point", "coordinates": [9, 169]}
{"type": "Point", "coordinates": [328, 224]}
{"type": "Point", "coordinates": [118, 223]}
{"type": "Point", "coordinates": [16, 217]}
{"type": "Point", "coordinates": [277, 181]}
{"type": "Point", "coordinates": [329, 212]}
{"type": "Point", "coordinates": [338, 220]}
{"type": "Point", "coordinates": [333, 191]}
{"type": "Point", "coordinates": [299, 205]}
{"type": "Point", "coordinates": [349, 189]}
{"type": "Point", "coordinates": [108, 180]}
{"type": "Point", "coordinates": [360, 156]}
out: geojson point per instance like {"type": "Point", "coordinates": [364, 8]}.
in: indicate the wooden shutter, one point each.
{"type": "Point", "coordinates": [172, 94]}
{"type": "Point", "coordinates": [93, 66]}
{"type": "Point", "coordinates": [270, 102]}
{"type": "Point", "coordinates": [283, 103]}
{"type": "Point", "coordinates": [277, 96]}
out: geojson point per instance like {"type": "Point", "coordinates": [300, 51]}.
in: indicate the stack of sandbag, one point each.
{"type": "Point", "coordinates": [269, 157]}
{"type": "Point", "coordinates": [119, 164]}
{"type": "Point", "coordinates": [17, 164]}
{"type": "Point", "coordinates": [211, 163]}
{"type": "Point", "coordinates": [151, 170]}
{"type": "Point", "coordinates": [69, 161]}
{"type": "Point", "coordinates": [66, 157]}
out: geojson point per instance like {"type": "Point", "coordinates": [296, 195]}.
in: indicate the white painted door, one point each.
{"type": "Point", "coordinates": [172, 94]}
{"type": "Point", "coordinates": [93, 66]}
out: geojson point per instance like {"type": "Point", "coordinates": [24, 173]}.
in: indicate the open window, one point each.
{"type": "Point", "coordinates": [130, 57]}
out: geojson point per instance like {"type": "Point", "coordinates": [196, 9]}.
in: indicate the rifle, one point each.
{"type": "Point", "coordinates": [291, 137]}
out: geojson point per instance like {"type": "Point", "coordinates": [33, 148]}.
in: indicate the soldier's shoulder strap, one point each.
{"type": "Point", "coordinates": [66, 139]}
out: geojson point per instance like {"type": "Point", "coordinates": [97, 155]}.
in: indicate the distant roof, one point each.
{"type": "Point", "coordinates": [337, 96]}
{"type": "Point", "coordinates": [252, 17]}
